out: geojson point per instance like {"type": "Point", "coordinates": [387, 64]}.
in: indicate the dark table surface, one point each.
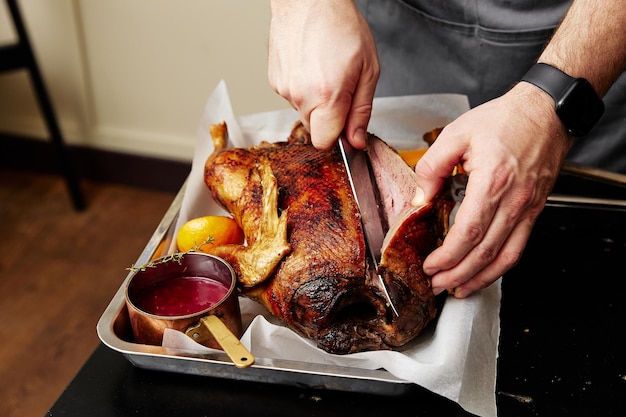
{"type": "Point", "coordinates": [562, 345]}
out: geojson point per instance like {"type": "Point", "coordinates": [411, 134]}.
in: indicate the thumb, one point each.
{"type": "Point", "coordinates": [431, 170]}
{"type": "Point", "coordinates": [326, 123]}
{"type": "Point", "coordinates": [360, 112]}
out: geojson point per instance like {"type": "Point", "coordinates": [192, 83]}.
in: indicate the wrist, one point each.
{"type": "Point", "coordinates": [538, 106]}
{"type": "Point", "coordinates": [576, 103]}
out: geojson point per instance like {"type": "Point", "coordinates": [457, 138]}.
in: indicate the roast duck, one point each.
{"type": "Point", "coordinates": [304, 257]}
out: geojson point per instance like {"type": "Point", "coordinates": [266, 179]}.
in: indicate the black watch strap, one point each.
{"type": "Point", "coordinates": [550, 79]}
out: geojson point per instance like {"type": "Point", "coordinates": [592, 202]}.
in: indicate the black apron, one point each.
{"type": "Point", "coordinates": [481, 48]}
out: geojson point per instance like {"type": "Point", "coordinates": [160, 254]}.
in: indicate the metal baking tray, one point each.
{"type": "Point", "coordinates": [114, 331]}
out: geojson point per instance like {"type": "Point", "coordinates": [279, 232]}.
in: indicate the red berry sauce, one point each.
{"type": "Point", "coordinates": [180, 296]}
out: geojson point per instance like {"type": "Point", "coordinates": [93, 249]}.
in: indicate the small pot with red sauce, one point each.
{"type": "Point", "coordinates": [180, 293]}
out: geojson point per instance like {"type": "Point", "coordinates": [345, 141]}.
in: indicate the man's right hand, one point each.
{"type": "Point", "coordinates": [323, 61]}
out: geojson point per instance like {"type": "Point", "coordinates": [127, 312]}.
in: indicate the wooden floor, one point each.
{"type": "Point", "coordinates": [58, 271]}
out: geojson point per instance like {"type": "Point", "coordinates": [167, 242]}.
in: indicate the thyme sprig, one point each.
{"type": "Point", "coordinates": [174, 257]}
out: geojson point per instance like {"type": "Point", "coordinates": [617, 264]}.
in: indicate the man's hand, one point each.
{"type": "Point", "coordinates": [323, 60]}
{"type": "Point", "coordinates": [512, 148]}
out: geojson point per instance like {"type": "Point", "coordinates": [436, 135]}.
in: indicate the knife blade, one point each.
{"type": "Point", "coordinates": [363, 189]}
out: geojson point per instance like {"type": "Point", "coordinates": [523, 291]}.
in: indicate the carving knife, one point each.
{"type": "Point", "coordinates": [365, 191]}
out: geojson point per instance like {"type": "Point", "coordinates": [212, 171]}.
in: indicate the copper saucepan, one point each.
{"type": "Point", "coordinates": [192, 292]}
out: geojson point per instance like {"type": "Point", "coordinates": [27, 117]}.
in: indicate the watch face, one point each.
{"type": "Point", "coordinates": [579, 108]}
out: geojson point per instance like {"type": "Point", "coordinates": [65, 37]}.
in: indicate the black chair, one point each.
{"type": "Point", "coordinates": [20, 56]}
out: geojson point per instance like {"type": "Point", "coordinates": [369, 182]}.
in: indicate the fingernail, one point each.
{"type": "Point", "coordinates": [459, 293]}
{"type": "Point", "coordinates": [418, 200]}
{"type": "Point", "coordinates": [430, 271]}
{"type": "Point", "coordinates": [438, 291]}
{"type": "Point", "coordinates": [360, 136]}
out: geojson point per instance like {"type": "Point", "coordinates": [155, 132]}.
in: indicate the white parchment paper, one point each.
{"type": "Point", "coordinates": [457, 357]}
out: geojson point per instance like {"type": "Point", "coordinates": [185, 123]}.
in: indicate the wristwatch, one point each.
{"type": "Point", "coordinates": [576, 103]}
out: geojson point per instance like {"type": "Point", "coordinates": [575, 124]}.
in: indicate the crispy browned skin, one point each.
{"type": "Point", "coordinates": [324, 232]}
{"type": "Point", "coordinates": [243, 183]}
{"type": "Point", "coordinates": [319, 287]}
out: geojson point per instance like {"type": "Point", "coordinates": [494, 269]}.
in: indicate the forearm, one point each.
{"type": "Point", "coordinates": [590, 42]}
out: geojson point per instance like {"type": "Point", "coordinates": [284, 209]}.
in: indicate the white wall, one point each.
{"type": "Point", "coordinates": [133, 75]}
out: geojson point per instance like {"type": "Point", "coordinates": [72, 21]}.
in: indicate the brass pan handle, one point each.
{"type": "Point", "coordinates": [236, 351]}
